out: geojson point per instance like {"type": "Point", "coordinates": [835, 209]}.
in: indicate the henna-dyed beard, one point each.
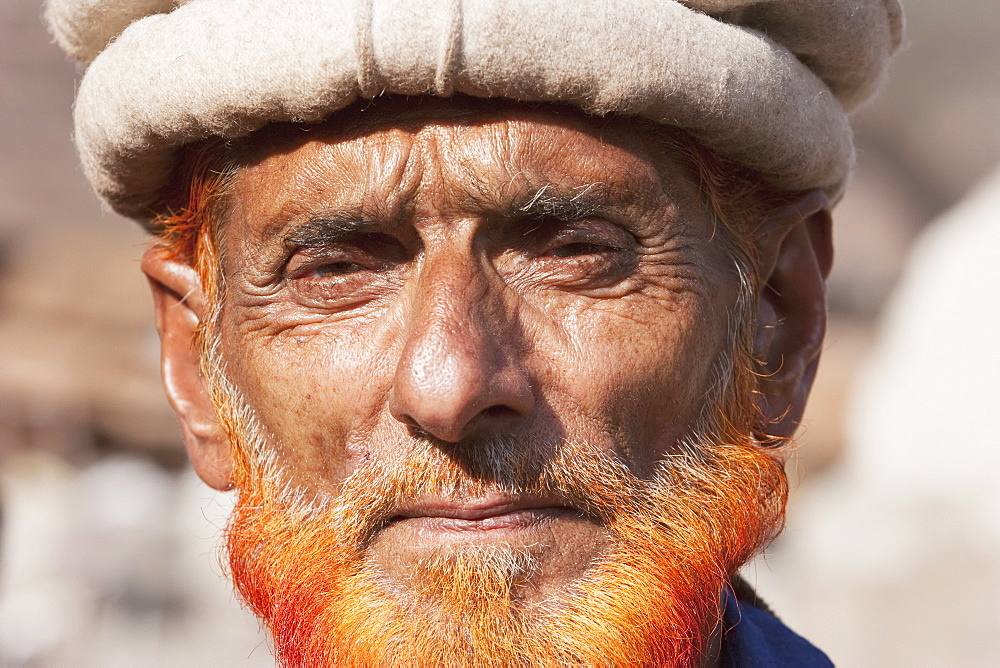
{"type": "Point", "coordinates": [652, 599]}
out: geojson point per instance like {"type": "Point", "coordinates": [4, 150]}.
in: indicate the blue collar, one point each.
{"type": "Point", "coordinates": [757, 639]}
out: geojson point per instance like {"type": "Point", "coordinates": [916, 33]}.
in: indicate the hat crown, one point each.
{"type": "Point", "coordinates": [766, 83]}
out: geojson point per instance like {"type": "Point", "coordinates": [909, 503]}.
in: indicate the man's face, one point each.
{"type": "Point", "coordinates": [525, 276]}
{"type": "Point", "coordinates": [483, 340]}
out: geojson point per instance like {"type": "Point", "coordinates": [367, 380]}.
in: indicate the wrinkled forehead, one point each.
{"type": "Point", "coordinates": [486, 149]}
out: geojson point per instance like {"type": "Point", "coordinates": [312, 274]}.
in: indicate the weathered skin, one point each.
{"type": "Point", "coordinates": [448, 306]}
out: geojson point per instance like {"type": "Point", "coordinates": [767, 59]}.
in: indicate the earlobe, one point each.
{"type": "Point", "coordinates": [796, 253]}
{"type": "Point", "coordinates": [179, 304]}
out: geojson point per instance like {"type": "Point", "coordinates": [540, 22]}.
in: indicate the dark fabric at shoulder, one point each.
{"type": "Point", "coordinates": [757, 639]}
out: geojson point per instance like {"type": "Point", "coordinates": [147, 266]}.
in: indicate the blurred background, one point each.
{"type": "Point", "coordinates": [109, 544]}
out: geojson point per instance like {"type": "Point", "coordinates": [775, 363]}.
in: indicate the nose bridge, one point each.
{"type": "Point", "coordinates": [458, 366]}
{"type": "Point", "coordinates": [447, 325]}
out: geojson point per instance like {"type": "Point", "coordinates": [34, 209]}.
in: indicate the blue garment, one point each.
{"type": "Point", "coordinates": [755, 638]}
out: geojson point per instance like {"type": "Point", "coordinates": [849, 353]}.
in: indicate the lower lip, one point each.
{"type": "Point", "coordinates": [528, 518]}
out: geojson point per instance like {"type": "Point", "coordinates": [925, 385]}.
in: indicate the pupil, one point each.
{"type": "Point", "coordinates": [336, 268]}
{"type": "Point", "coordinates": [571, 250]}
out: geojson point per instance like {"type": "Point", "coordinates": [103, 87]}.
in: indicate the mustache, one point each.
{"type": "Point", "coordinates": [580, 476]}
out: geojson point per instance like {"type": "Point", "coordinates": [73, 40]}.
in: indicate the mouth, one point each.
{"type": "Point", "coordinates": [562, 540]}
{"type": "Point", "coordinates": [487, 515]}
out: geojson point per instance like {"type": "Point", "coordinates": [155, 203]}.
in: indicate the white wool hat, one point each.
{"type": "Point", "coordinates": [767, 83]}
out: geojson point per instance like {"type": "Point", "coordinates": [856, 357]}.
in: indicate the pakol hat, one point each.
{"type": "Point", "coordinates": [767, 83]}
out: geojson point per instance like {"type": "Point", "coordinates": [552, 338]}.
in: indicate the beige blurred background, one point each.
{"type": "Point", "coordinates": [108, 545]}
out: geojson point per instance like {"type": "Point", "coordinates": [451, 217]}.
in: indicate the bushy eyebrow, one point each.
{"type": "Point", "coordinates": [327, 229]}
{"type": "Point", "coordinates": [546, 200]}
{"type": "Point", "coordinates": [549, 202]}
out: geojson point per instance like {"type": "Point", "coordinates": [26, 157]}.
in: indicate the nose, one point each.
{"type": "Point", "coordinates": [461, 370]}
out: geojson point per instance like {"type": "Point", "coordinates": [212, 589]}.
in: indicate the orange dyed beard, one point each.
{"type": "Point", "coordinates": [300, 562]}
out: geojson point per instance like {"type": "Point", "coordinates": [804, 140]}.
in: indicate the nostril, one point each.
{"type": "Point", "coordinates": [411, 424]}
{"type": "Point", "coordinates": [499, 411]}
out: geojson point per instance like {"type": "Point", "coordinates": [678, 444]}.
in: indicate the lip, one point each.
{"type": "Point", "coordinates": [496, 514]}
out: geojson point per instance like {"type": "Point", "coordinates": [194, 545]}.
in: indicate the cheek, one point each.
{"type": "Point", "coordinates": [320, 393]}
{"type": "Point", "coordinates": [640, 373]}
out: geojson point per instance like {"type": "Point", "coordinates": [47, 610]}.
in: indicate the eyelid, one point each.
{"type": "Point", "coordinates": [304, 260]}
{"type": "Point", "coordinates": [577, 232]}
{"type": "Point", "coordinates": [605, 232]}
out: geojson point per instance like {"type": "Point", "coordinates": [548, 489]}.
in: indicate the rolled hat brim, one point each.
{"type": "Point", "coordinates": [767, 84]}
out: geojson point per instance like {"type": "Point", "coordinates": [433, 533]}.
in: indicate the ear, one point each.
{"type": "Point", "coordinates": [796, 252]}
{"type": "Point", "coordinates": [179, 304]}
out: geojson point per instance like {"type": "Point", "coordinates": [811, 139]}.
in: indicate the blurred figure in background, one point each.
{"type": "Point", "coordinates": [917, 489]}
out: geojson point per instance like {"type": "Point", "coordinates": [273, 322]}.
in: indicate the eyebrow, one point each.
{"type": "Point", "coordinates": [549, 202]}
{"type": "Point", "coordinates": [327, 229]}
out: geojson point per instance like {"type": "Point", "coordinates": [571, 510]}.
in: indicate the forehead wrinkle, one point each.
{"type": "Point", "coordinates": [369, 178]}
{"type": "Point", "coordinates": [502, 166]}
{"type": "Point", "coordinates": [403, 169]}
{"type": "Point", "coordinates": [390, 176]}
{"type": "Point", "coordinates": [542, 169]}
{"type": "Point", "coordinates": [432, 156]}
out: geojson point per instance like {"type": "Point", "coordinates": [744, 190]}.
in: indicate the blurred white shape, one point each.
{"type": "Point", "coordinates": [930, 398]}
{"type": "Point", "coordinates": [116, 564]}
{"type": "Point", "coordinates": [40, 605]}
{"type": "Point", "coordinates": [894, 560]}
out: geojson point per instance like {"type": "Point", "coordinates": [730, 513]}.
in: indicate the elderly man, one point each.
{"type": "Point", "coordinates": [496, 315]}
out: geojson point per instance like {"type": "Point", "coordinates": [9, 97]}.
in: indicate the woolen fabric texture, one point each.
{"type": "Point", "coordinates": [767, 83]}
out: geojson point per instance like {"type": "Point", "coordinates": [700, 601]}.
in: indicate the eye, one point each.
{"type": "Point", "coordinates": [333, 269]}
{"type": "Point", "coordinates": [585, 254]}
{"type": "Point", "coordinates": [341, 276]}
{"type": "Point", "coordinates": [583, 240]}
{"type": "Point", "coordinates": [579, 249]}
{"type": "Point", "coordinates": [333, 266]}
